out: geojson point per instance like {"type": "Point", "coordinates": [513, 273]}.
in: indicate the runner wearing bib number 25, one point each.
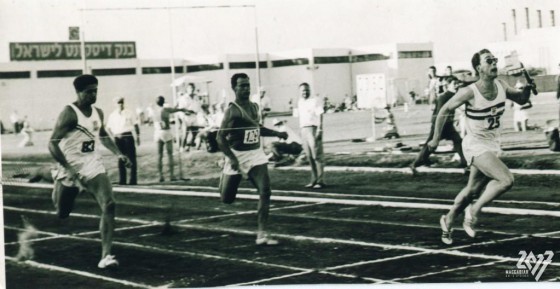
{"type": "Point", "coordinates": [74, 145]}
{"type": "Point", "coordinates": [239, 139]}
{"type": "Point", "coordinates": [489, 176]}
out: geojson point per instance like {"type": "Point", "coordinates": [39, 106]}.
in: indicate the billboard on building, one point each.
{"type": "Point", "coordinates": [32, 51]}
{"type": "Point", "coordinates": [372, 92]}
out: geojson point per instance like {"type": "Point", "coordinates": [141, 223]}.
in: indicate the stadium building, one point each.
{"type": "Point", "coordinates": [38, 80]}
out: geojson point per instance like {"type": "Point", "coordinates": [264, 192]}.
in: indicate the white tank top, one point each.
{"type": "Point", "coordinates": [159, 124]}
{"type": "Point", "coordinates": [484, 116]}
{"type": "Point", "coordinates": [83, 140]}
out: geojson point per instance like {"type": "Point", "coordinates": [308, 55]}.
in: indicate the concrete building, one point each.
{"type": "Point", "coordinates": [40, 89]}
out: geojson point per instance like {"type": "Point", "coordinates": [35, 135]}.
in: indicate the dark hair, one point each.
{"type": "Point", "coordinates": [449, 66]}
{"type": "Point", "coordinates": [475, 61]}
{"type": "Point", "coordinates": [432, 67]}
{"type": "Point", "coordinates": [82, 81]}
{"type": "Point", "coordinates": [303, 84]}
{"type": "Point", "coordinates": [235, 77]}
{"type": "Point", "coordinates": [160, 100]}
{"type": "Point", "coordinates": [191, 84]}
{"type": "Point", "coordinates": [451, 78]}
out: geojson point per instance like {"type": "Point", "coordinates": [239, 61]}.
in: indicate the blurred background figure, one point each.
{"type": "Point", "coordinates": [27, 132]}
{"type": "Point", "coordinates": [520, 116]}
{"type": "Point", "coordinates": [189, 128]}
{"type": "Point", "coordinates": [263, 101]}
{"type": "Point", "coordinates": [285, 152]}
{"type": "Point", "coordinates": [391, 130]}
{"type": "Point", "coordinates": [433, 85]}
{"type": "Point", "coordinates": [14, 119]}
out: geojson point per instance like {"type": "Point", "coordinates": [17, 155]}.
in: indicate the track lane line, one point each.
{"type": "Point", "coordinates": [78, 272]}
{"type": "Point", "coordinates": [453, 252]}
{"type": "Point", "coordinates": [389, 204]}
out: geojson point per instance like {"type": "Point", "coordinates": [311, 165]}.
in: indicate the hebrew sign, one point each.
{"type": "Point", "coordinates": [29, 51]}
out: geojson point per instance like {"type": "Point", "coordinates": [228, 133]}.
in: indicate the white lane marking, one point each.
{"type": "Point", "coordinates": [370, 279]}
{"type": "Point", "coordinates": [175, 252]}
{"type": "Point", "coordinates": [172, 191]}
{"type": "Point", "coordinates": [451, 251]}
{"type": "Point", "coordinates": [320, 218]}
{"type": "Point", "coordinates": [448, 271]}
{"type": "Point", "coordinates": [361, 263]}
{"type": "Point", "coordinates": [327, 240]}
{"type": "Point", "coordinates": [420, 169]}
{"type": "Point", "coordinates": [496, 210]}
{"type": "Point", "coordinates": [78, 272]}
{"type": "Point", "coordinates": [371, 169]}
{"type": "Point", "coordinates": [243, 213]}
{"type": "Point", "coordinates": [271, 279]}
{"type": "Point", "coordinates": [367, 196]}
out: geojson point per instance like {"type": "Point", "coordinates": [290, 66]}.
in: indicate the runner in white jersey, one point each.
{"type": "Point", "coordinates": [74, 145]}
{"type": "Point", "coordinates": [485, 104]}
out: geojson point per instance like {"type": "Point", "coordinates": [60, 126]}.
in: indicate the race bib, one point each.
{"type": "Point", "coordinates": [88, 146]}
{"type": "Point", "coordinates": [251, 136]}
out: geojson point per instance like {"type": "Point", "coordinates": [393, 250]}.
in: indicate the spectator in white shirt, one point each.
{"type": "Point", "coordinates": [189, 120]}
{"type": "Point", "coordinates": [310, 111]}
{"type": "Point", "coordinates": [120, 124]}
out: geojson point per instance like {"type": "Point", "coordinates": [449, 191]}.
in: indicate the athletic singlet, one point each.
{"type": "Point", "coordinates": [245, 133]}
{"type": "Point", "coordinates": [82, 140]}
{"type": "Point", "coordinates": [158, 121]}
{"type": "Point", "coordinates": [484, 116]}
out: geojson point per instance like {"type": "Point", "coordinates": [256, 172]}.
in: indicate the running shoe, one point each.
{"type": "Point", "coordinates": [446, 233]}
{"type": "Point", "coordinates": [309, 186]}
{"type": "Point", "coordinates": [319, 186]}
{"type": "Point", "coordinates": [266, 241]}
{"type": "Point", "coordinates": [108, 261]}
{"type": "Point", "coordinates": [469, 222]}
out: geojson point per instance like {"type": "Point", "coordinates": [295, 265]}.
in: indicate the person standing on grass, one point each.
{"type": "Point", "coordinates": [448, 132]}
{"type": "Point", "coordinates": [121, 125]}
{"type": "Point", "coordinates": [239, 138]}
{"type": "Point", "coordinates": [485, 104]}
{"type": "Point", "coordinates": [74, 145]}
{"type": "Point", "coordinates": [163, 136]}
{"type": "Point", "coordinates": [310, 111]}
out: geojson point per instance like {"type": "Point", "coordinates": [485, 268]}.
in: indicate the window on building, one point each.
{"type": "Point", "coordinates": [15, 74]}
{"type": "Point", "coordinates": [113, 71]}
{"type": "Point", "coordinates": [247, 65]}
{"type": "Point", "coordinates": [290, 62]}
{"type": "Point", "coordinates": [415, 54]}
{"type": "Point", "coordinates": [59, 73]}
{"type": "Point", "coordinates": [161, 70]}
{"type": "Point", "coordinates": [539, 16]}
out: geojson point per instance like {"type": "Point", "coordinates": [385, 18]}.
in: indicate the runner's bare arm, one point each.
{"type": "Point", "coordinates": [461, 97]}
{"type": "Point", "coordinates": [269, 132]}
{"type": "Point", "coordinates": [520, 96]}
{"type": "Point", "coordinates": [227, 125]}
{"type": "Point", "coordinates": [67, 121]}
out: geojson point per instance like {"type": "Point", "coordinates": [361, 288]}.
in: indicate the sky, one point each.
{"type": "Point", "coordinates": [457, 28]}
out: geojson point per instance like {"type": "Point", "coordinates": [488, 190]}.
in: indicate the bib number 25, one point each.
{"type": "Point", "coordinates": [493, 122]}
{"type": "Point", "coordinates": [251, 136]}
